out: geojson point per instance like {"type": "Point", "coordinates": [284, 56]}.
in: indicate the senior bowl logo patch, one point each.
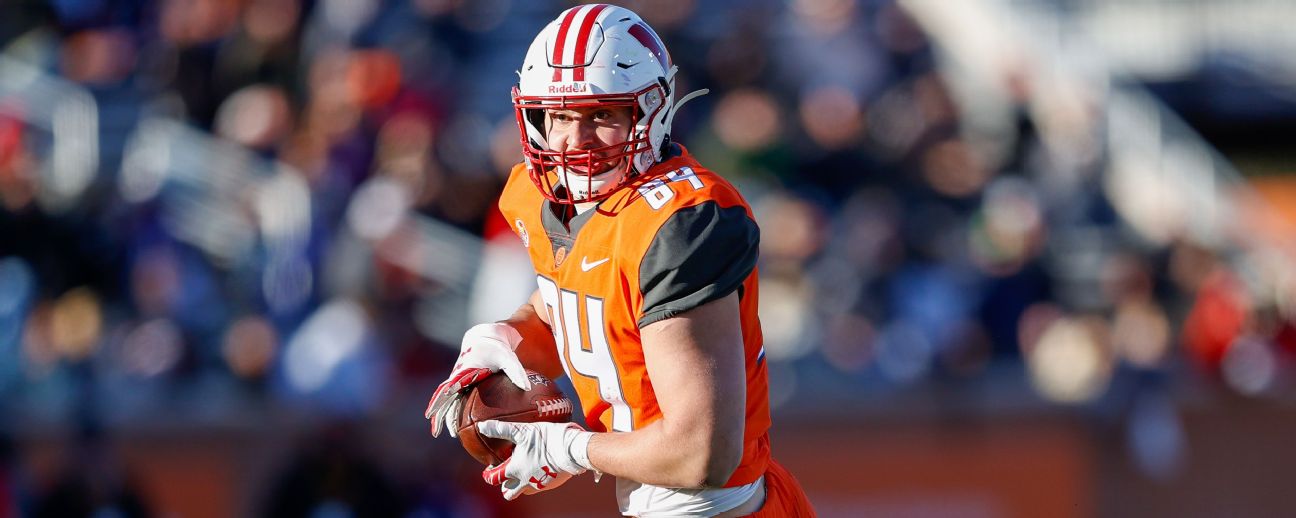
{"type": "Point", "coordinates": [522, 232]}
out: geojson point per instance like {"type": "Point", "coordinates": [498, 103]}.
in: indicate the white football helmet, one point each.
{"type": "Point", "coordinates": [595, 55]}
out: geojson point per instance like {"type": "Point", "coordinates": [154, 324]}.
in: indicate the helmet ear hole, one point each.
{"type": "Point", "coordinates": [536, 118]}
{"type": "Point", "coordinates": [534, 131]}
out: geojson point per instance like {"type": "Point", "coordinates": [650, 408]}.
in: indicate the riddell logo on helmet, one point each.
{"type": "Point", "coordinates": [572, 88]}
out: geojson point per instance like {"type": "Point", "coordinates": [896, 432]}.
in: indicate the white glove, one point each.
{"type": "Point", "coordinates": [546, 456]}
{"type": "Point", "coordinates": [486, 348]}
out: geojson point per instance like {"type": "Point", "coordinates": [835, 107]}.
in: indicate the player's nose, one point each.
{"type": "Point", "coordinates": [583, 136]}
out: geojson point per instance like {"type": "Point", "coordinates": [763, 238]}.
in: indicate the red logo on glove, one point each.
{"type": "Point", "coordinates": [548, 474]}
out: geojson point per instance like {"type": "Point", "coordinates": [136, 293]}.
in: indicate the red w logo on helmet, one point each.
{"type": "Point", "coordinates": [649, 40]}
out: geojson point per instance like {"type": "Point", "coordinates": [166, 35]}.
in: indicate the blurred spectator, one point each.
{"type": "Point", "coordinates": [289, 203]}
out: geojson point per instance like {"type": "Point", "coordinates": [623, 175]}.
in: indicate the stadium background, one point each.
{"type": "Point", "coordinates": [1019, 257]}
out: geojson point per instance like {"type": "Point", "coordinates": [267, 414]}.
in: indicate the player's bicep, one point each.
{"type": "Point", "coordinates": [695, 362]}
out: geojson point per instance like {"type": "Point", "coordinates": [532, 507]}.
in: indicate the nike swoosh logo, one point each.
{"type": "Point", "coordinates": [587, 266]}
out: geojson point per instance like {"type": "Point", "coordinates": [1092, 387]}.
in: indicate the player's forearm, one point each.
{"type": "Point", "coordinates": [659, 455]}
{"type": "Point", "coordinates": [536, 351]}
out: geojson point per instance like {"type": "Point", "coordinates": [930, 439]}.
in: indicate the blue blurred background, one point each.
{"type": "Point", "coordinates": [1019, 257]}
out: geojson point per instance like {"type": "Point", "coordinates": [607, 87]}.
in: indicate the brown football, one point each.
{"type": "Point", "coordinates": [497, 398]}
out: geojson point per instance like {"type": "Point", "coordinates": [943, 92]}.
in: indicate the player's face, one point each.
{"type": "Point", "coordinates": [576, 129]}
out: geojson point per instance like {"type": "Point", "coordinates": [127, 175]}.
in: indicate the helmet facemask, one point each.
{"type": "Point", "coordinates": [551, 169]}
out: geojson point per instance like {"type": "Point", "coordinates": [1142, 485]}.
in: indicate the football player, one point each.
{"type": "Point", "coordinates": [647, 291]}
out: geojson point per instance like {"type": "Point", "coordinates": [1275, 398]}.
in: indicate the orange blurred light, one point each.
{"type": "Point", "coordinates": [953, 169]}
{"type": "Point", "coordinates": [746, 119]}
{"type": "Point", "coordinates": [38, 349]}
{"type": "Point", "coordinates": [832, 117]}
{"type": "Point", "coordinates": [373, 77]}
{"type": "Point", "coordinates": [271, 21]}
{"type": "Point", "coordinates": [1141, 333]}
{"type": "Point", "coordinates": [791, 228]}
{"type": "Point", "coordinates": [75, 324]}
{"type": "Point", "coordinates": [190, 22]}
{"type": "Point", "coordinates": [250, 346]}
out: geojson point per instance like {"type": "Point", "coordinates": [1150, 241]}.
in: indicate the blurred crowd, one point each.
{"type": "Point", "coordinates": [290, 204]}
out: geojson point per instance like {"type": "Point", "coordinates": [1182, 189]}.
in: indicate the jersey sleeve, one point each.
{"type": "Point", "coordinates": [700, 254]}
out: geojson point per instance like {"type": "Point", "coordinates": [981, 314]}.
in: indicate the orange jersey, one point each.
{"type": "Point", "coordinates": [784, 497]}
{"type": "Point", "coordinates": [611, 275]}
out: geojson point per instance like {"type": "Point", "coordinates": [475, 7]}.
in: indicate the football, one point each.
{"type": "Point", "coordinates": [497, 398]}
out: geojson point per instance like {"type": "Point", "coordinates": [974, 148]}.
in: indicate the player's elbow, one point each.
{"type": "Point", "coordinates": [721, 465]}
{"type": "Point", "coordinates": [714, 464]}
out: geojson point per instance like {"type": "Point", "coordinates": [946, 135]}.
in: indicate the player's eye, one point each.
{"type": "Point", "coordinates": [560, 117]}
{"type": "Point", "coordinates": [603, 115]}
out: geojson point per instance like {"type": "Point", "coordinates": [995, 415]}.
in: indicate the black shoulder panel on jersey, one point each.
{"type": "Point", "coordinates": [700, 254]}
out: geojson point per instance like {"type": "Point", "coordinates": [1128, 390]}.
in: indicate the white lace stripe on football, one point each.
{"type": "Point", "coordinates": [551, 407]}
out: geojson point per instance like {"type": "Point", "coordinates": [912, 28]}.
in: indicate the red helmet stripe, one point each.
{"type": "Point", "coordinates": [561, 42]}
{"type": "Point", "coordinates": [582, 41]}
